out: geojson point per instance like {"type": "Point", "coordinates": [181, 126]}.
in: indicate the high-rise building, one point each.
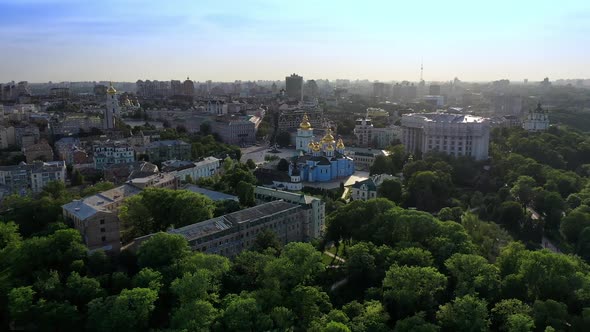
{"type": "Point", "coordinates": [111, 109]}
{"type": "Point", "coordinates": [188, 88]}
{"type": "Point", "coordinates": [175, 88]}
{"type": "Point", "coordinates": [434, 90]}
{"type": "Point", "coordinates": [294, 86]}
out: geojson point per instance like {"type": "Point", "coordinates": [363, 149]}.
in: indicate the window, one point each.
{"type": "Point", "coordinates": [104, 239]}
{"type": "Point", "coordinates": [102, 230]}
{"type": "Point", "coordinates": [102, 221]}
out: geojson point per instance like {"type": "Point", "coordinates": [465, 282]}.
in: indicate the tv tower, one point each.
{"type": "Point", "coordinates": [421, 70]}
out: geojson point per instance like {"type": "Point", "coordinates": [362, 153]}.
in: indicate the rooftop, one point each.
{"type": "Point", "coordinates": [87, 207]}
{"type": "Point", "coordinates": [214, 195]}
{"type": "Point", "coordinates": [222, 223]}
{"type": "Point", "coordinates": [448, 118]}
{"type": "Point", "coordinates": [286, 195]}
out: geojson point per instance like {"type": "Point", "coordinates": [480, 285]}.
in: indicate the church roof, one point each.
{"type": "Point", "coordinates": [368, 182]}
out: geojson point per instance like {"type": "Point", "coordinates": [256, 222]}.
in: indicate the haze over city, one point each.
{"type": "Point", "coordinates": [66, 40]}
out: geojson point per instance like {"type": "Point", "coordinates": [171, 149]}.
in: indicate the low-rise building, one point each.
{"type": "Point", "coordinates": [365, 157]}
{"type": "Point", "coordinates": [109, 153]}
{"type": "Point", "coordinates": [22, 178]}
{"type": "Point", "coordinates": [363, 190]}
{"type": "Point", "coordinates": [314, 207]}
{"type": "Point", "coordinates": [41, 151]}
{"type": "Point", "coordinates": [230, 234]}
{"type": "Point", "coordinates": [160, 151]}
{"type": "Point", "coordinates": [186, 170]}
{"type": "Point", "coordinates": [96, 217]}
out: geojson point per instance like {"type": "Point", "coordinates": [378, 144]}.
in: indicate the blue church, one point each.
{"type": "Point", "coordinates": [321, 161]}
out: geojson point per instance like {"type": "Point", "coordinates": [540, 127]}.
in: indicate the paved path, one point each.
{"type": "Point", "coordinates": [334, 256]}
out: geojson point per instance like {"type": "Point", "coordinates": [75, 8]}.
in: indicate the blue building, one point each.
{"type": "Point", "coordinates": [322, 161]}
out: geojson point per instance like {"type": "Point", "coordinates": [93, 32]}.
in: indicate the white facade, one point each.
{"type": "Point", "coordinates": [453, 134]}
{"type": "Point", "coordinates": [537, 120]}
{"type": "Point", "coordinates": [216, 107]}
{"type": "Point", "coordinates": [304, 135]}
{"type": "Point", "coordinates": [204, 168]}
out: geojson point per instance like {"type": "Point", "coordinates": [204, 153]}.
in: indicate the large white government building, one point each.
{"type": "Point", "coordinates": [453, 134]}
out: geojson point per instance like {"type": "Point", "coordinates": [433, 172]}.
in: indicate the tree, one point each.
{"type": "Point", "coordinates": [283, 139]}
{"type": "Point", "coordinates": [412, 288]}
{"type": "Point", "coordinates": [251, 164]}
{"type": "Point", "coordinates": [473, 275]}
{"type": "Point", "coordinates": [162, 250]}
{"type": "Point", "coordinates": [510, 215]}
{"type": "Point", "coordinates": [413, 256]}
{"type": "Point", "coordinates": [522, 189]}
{"type": "Point", "coordinates": [196, 315]}
{"type": "Point", "coordinates": [309, 303]}
{"type": "Point", "coordinates": [148, 278]}
{"type": "Point", "coordinates": [520, 323]}
{"type": "Point", "coordinates": [266, 239]}
{"type": "Point", "coordinates": [467, 313]}
{"type": "Point", "coordinates": [550, 313]}
{"type": "Point", "coordinates": [81, 290]}
{"type": "Point", "coordinates": [128, 311]}
{"type": "Point", "coordinates": [505, 309]}
{"type": "Point", "coordinates": [448, 213]}
{"type": "Point", "coordinates": [283, 165]}
{"type": "Point", "coordinates": [20, 305]}
{"type": "Point", "coordinates": [429, 190]}
{"type": "Point", "coordinates": [336, 327]}
{"type": "Point", "coordinates": [574, 222]}
{"type": "Point", "coordinates": [382, 165]}
{"type": "Point", "coordinates": [415, 323]}
{"type": "Point", "coordinates": [156, 209]}
{"type": "Point", "coordinates": [77, 178]}
{"type": "Point", "coordinates": [245, 193]}
{"type": "Point", "coordinates": [391, 189]}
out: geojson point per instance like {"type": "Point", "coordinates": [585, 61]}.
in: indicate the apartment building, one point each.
{"type": "Point", "coordinates": [23, 178]}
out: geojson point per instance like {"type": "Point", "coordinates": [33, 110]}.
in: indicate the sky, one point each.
{"type": "Point", "coordinates": [127, 40]}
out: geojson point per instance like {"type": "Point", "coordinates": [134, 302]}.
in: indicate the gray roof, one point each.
{"type": "Point", "coordinates": [219, 224]}
{"type": "Point", "coordinates": [89, 206]}
{"type": "Point", "coordinates": [214, 195]}
{"type": "Point", "coordinates": [368, 182]}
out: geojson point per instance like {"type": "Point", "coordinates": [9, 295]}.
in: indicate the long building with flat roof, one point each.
{"type": "Point", "coordinates": [453, 134]}
{"type": "Point", "coordinates": [232, 233]}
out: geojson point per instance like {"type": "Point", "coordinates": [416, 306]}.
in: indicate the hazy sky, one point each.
{"type": "Point", "coordinates": [126, 40]}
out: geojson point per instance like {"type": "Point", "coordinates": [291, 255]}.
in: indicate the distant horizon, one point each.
{"type": "Point", "coordinates": [352, 80]}
{"type": "Point", "coordinates": [69, 40]}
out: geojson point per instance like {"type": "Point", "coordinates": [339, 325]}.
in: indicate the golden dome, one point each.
{"type": "Point", "coordinates": [330, 147]}
{"type": "Point", "coordinates": [316, 147]}
{"type": "Point", "coordinates": [340, 144]}
{"type": "Point", "coordinates": [310, 145]}
{"type": "Point", "coordinates": [328, 138]}
{"type": "Point", "coordinates": [305, 122]}
{"type": "Point", "coordinates": [111, 90]}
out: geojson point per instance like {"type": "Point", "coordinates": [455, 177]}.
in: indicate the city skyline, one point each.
{"type": "Point", "coordinates": [61, 40]}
